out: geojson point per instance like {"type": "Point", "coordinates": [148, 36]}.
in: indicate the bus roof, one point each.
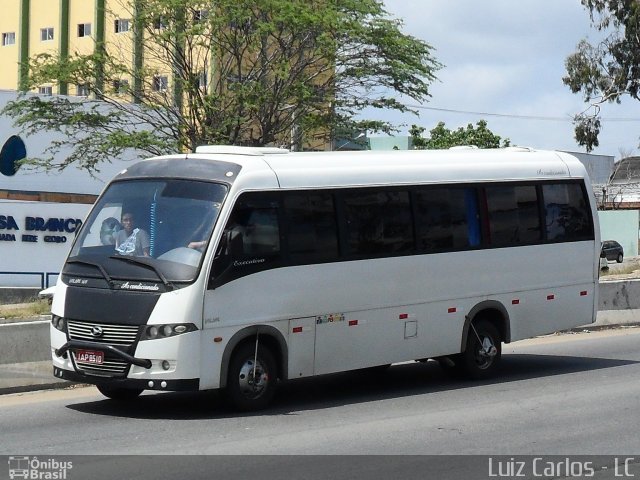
{"type": "Point", "coordinates": [271, 168]}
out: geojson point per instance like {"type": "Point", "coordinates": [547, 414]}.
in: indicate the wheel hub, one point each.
{"type": "Point", "coordinates": [253, 379]}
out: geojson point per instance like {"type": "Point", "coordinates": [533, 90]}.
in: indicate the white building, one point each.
{"type": "Point", "coordinates": [39, 211]}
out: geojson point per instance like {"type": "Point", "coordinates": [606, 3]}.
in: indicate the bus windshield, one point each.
{"type": "Point", "coordinates": [142, 228]}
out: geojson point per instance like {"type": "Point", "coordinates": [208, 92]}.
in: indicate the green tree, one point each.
{"type": "Point", "coordinates": [441, 137]}
{"type": "Point", "coordinates": [251, 72]}
{"type": "Point", "coordinates": [608, 70]}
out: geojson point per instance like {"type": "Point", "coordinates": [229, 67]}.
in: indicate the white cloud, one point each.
{"type": "Point", "coordinates": [506, 56]}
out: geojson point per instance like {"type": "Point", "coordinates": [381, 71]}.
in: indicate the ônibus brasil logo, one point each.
{"type": "Point", "coordinates": [36, 469]}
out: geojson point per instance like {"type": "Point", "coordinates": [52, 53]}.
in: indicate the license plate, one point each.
{"type": "Point", "coordinates": [90, 356]}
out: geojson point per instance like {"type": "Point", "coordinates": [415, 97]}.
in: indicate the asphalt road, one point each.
{"type": "Point", "coordinates": [567, 395]}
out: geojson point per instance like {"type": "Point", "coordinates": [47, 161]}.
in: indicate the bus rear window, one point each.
{"type": "Point", "coordinates": [567, 216]}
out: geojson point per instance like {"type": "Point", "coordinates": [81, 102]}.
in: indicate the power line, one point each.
{"type": "Point", "coordinates": [522, 117]}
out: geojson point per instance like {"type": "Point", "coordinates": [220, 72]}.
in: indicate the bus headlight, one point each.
{"type": "Point", "coordinates": [153, 332]}
{"type": "Point", "coordinates": [58, 322]}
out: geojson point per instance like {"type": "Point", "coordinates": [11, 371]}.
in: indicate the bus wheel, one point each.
{"type": "Point", "coordinates": [117, 393]}
{"type": "Point", "coordinates": [251, 382]}
{"type": "Point", "coordinates": [481, 356]}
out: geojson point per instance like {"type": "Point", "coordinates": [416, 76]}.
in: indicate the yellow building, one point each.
{"type": "Point", "coordinates": [63, 27]}
{"type": "Point", "coordinates": [66, 28]}
{"type": "Point", "coordinates": [32, 27]}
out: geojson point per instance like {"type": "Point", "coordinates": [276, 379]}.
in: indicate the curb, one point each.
{"type": "Point", "coordinates": [39, 387]}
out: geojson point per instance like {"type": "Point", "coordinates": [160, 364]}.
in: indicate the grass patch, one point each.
{"type": "Point", "coordinates": [31, 309]}
{"type": "Point", "coordinates": [626, 270]}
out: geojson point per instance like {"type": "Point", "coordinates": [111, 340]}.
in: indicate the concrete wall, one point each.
{"type": "Point", "coordinates": [25, 342]}
{"type": "Point", "coordinates": [620, 295]}
{"type": "Point", "coordinates": [18, 295]}
{"type": "Point", "coordinates": [622, 226]}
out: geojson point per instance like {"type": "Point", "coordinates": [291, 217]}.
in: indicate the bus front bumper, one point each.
{"type": "Point", "coordinates": [188, 384]}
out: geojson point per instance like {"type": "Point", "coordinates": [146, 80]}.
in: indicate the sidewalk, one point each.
{"type": "Point", "coordinates": [28, 376]}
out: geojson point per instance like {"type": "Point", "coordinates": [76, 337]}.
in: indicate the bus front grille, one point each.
{"type": "Point", "coordinates": [103, 333]}
{"type": "Point", "coordinates": [123, 337]}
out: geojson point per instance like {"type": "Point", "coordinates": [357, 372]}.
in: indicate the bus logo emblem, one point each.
{"type": "Point", "coordinates": [97, 331]}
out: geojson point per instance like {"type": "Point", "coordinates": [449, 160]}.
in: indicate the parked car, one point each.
{"type": "Point", "coordinates": [612, 250]}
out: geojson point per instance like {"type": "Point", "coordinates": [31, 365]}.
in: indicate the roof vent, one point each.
{"type": "Point", "coordinates": [464, 147]}
{"type": "Point", "coordinates": [234, 150]}
{"type": "Point", "coordinates": [519, 149]}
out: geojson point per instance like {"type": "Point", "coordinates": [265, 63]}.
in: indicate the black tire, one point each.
{"type": "Point", "coordinates": [479, 359]}
{"type": "Point", "coordinates": [620, 258]}
{"type": "Point", "coordinates": [242, 392]}
{"type": "Point", "coordinates": [119, 394]}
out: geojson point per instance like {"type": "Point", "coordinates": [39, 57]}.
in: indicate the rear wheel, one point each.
{"type": "Point", "coordinates": [251, 382]}
{"type": "Point", "coordinates": [620, 258]}
{"type": "Point", "coordinates": [118, 393]}
{"type": "Point", "coordinates": [483, 351]}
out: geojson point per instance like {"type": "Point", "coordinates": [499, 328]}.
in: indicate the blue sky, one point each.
{"type": "Point", "coordinates": [507, 57]}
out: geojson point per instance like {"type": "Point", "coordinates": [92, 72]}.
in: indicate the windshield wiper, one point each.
{"type": "Point", "coordinates": [94, 264]}
{"type": "Point", "coordinates": [146, 263]}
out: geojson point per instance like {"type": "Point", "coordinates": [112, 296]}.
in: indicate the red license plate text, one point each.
{"type": "Point", "coordinates": [90, 356]}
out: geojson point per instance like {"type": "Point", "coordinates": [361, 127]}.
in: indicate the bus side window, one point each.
{"type": "Point", "coordinates": [447, 219]}
{"type": "Point", "coordinates": [312, 231]}
{"type": "Point", "coordinates": [251, 238]}
{"type": "Point", "coordinates": [567, 216]}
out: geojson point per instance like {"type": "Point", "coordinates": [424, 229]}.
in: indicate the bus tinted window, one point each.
{"type": "Point", "coordinates": [312, 232]}
{"type": "Point", "coordinates": [378, 222]}
{"type": "Point", "coordinates": [513, 215]}
{"type": "Point", "coordinates": [253, 227]}
{"type": "Point", "coordinates": [446, 219]}
{"type": "Point", "coordinates": [567, 214]}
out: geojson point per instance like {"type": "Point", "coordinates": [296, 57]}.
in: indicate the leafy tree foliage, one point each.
{"type": "Point", "coordinates": [608, 70]}
{"type": "Point", "coordinates": [441, 137]}
{"type": "Point", "coordinates": [240, 72]}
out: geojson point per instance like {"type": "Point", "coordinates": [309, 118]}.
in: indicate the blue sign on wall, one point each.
{"type": "Point", "coordinates": [12, 151]}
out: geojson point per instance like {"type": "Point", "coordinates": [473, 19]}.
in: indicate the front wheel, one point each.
{"type": "Point", "coordinates": [252, 378]}
{"type": "Point", "coordinates": [620, 258]}
{"type": "Point", "coordinates": [483, 351]}
{"type": "Point", "coordinates": [120, 394]}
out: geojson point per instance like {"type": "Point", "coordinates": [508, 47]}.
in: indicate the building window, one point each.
{"type": "Point", "coordinates": [121, 25]}
{"type": "Point", "coordinates": [8, 38]}
{"type": "Point", "coordinates": [200, 15]}
{"type": "Point", "coordinates": [159, 23]}
{"type": "Point", "coordinates": [121, 86]}
{"type": "Point", "coordinates": [84, 29]}
{"type": "Point", "coordinates": [201, 82]}
{"type": "Point", "coordinates": [160, 83]}
{"type": "Point", "coordinates": [46, 34]}
{"type": "Point", "coordinates": [45, 90]}
{"type": "Point", "coordinates": [82, 90]}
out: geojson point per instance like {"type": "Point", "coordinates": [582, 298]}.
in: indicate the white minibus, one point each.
{"type": "Point", "coordinates": [236, 268]}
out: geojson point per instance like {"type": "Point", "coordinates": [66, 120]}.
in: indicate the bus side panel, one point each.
{"type": "Point", "coordinates": [377, 337]}
{"type": "Point", "coordinates": [550, 310]}
{"type": "Point", "coordinates": [376, 303]}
